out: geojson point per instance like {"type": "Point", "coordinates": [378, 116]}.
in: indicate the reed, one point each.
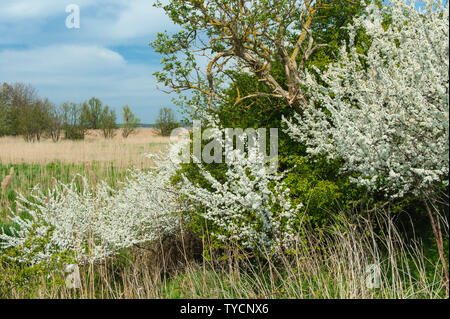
{"type": "Point", "coordinates": [8, 179]}
{"type": "Point", "coordinates": [328, 265]}
{"type": "Point", "coordinates": [124, 153]}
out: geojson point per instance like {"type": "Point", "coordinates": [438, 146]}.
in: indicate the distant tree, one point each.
{"type": "Point", "coordinates": [74, 121]}
{"type": "Point", "coordinates": [14, 98]}
{"type": "Point", "coordinates": [130, 121]}
{"type": "Point", "coordinates": [34, 120]}
{"type": "Point", "coordinates": [166, 121]}
{"type": "Point", "coordinates": [18, 94]}
{"type": "Point", "coordinates": [108, 123]}
{"type": "Point", "coordinates": [6, 119]}
{"type": "Point", "coordinates": [92, 112]}
{"type": "Point", "coordinates": [55, 124]}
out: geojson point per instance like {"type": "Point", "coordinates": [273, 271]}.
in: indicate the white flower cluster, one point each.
{"type": "Point", "coordinates": [386, 113]}
{"type": "Point", "coordinates": [251, 205]}
{"type": "Point", "coordinates": [94, 224]}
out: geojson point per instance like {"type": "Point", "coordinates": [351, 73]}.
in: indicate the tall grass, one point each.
{"type": "Point", "coordinates": [99, 159]}
{"type": "Point", "coordinates": [122, 152]}
{"type": "Point", "coordinates": [327, 264]}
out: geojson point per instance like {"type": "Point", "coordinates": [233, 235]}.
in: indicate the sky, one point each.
{"type": "Point", "coordinates": [107, 57]}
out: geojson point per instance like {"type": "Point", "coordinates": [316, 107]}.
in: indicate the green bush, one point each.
{"type": "Point", "coordinates": [19, 278]}
{"type": "Point", "coordinates": [166, 121]}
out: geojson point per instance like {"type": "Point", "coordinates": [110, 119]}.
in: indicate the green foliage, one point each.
{"type": "Point", "coordinates": [14, 97]}
{"type": "Point", "coordinates": [23, 113]}
{"type": "Point", "coordinates": [75, 122]}
{"type": "Point", "coordinates": [108, 121]}
{"type": "Point", "coordinates": [34, 120]}
{"type": "Point", "coordinates": [54, 124]}
{"type": "Point", "coordinates": [130, 121]}
{"type": "Point", "coordinates": [6, 119]}
{"type": "Point", "coordinates": [19, 278]}
{"type": "Point", "coordinates": [92, 113]}
{"type": "Point", "coordinates": [166, 122]}
{"type": "Point", "coordinates": [329, 27]}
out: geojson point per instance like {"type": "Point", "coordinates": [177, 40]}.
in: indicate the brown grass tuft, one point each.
{"type": "Point", "coordinates": [8, 179]}
{"type": "Point", "coordinates": [91, 174]}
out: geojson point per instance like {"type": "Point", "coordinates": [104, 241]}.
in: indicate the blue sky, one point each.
{"type": "Point", "coordinates": [108, 57]}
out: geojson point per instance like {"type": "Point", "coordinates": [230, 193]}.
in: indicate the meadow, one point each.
{"type": "Point", "coordinates": [94, 148]}
{"type": "Point", "coordinates": [97, 158]}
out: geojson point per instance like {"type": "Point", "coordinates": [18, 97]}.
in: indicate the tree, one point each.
{"type": "Point", "coordinates": [55, 124]}
{"type": "Point", "coordinates": [245, 35]}
{"type": "Point", "coordinates": [75, 123]}
{"type": "Point", "coordinates": [6, 119]}
{"type": "Point", "coordinates": [130, 121]}
{"type": "Point", "coordinates": [386, 113]}
{"type": "Point", "coordinates": [23, 112]}
{"type": "Point", "coordinates": [92, 111]}
{"type": "Point", "coordinates": [34, 120]}
{"type": "Point", "coordinates": [165, 121]}
{"type": "Point", "coordinates": [16, 98]}
{"type": "Point", "coordinates": [108, 124]}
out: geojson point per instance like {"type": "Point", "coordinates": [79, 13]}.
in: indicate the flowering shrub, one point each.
{"type": "Point", "coordinates": [250, 204]}
{"type": "Point", "coordinates": [96, 223]}
{"type": "Point", "coordinates": [20, 276]}
{"type": "Point", "coordinates": [386, 113]}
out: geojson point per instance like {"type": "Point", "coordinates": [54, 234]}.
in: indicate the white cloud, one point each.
{"type": "Point", "coordinates": [37, 48]}
{"type": "Point", "coordinates": [68, 72]}
{"type": "Point", "coordinates": [140, 18]}
{"type": "Point", "coordinates": [13, 10]}
{"type": "Point", "coordinates": [58, 59]}
{"type": "Point", "coordinates": [103, 22]}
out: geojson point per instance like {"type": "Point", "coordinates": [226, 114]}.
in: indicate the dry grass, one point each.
{"type": "Point", "coordinates": [121, 152]}
{"type": "Point", "coordinates": [8, 179]}
{"type": "Point", "coordinates": [97, 158]}
{"type": "Point", "coordinates": [330, 265]}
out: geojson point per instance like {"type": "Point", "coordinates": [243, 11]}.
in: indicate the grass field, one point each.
{"type": "Point", "coordinates": [95, 157]}
{"type": "Point", "coordinates": [122, 152]}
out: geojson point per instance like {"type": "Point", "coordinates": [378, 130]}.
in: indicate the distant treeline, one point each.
{"type": "Point", "coordinates": [144, 125]}
{"type": "Point", "coordinates": [24, 113]}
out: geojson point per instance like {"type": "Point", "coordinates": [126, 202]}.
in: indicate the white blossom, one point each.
{"type": "Point", "coordinates": [251, 206]}
{"type": "Point", "coordinates": [97, 223]}
{"type": "Point", "coordinates": [386, 113]}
